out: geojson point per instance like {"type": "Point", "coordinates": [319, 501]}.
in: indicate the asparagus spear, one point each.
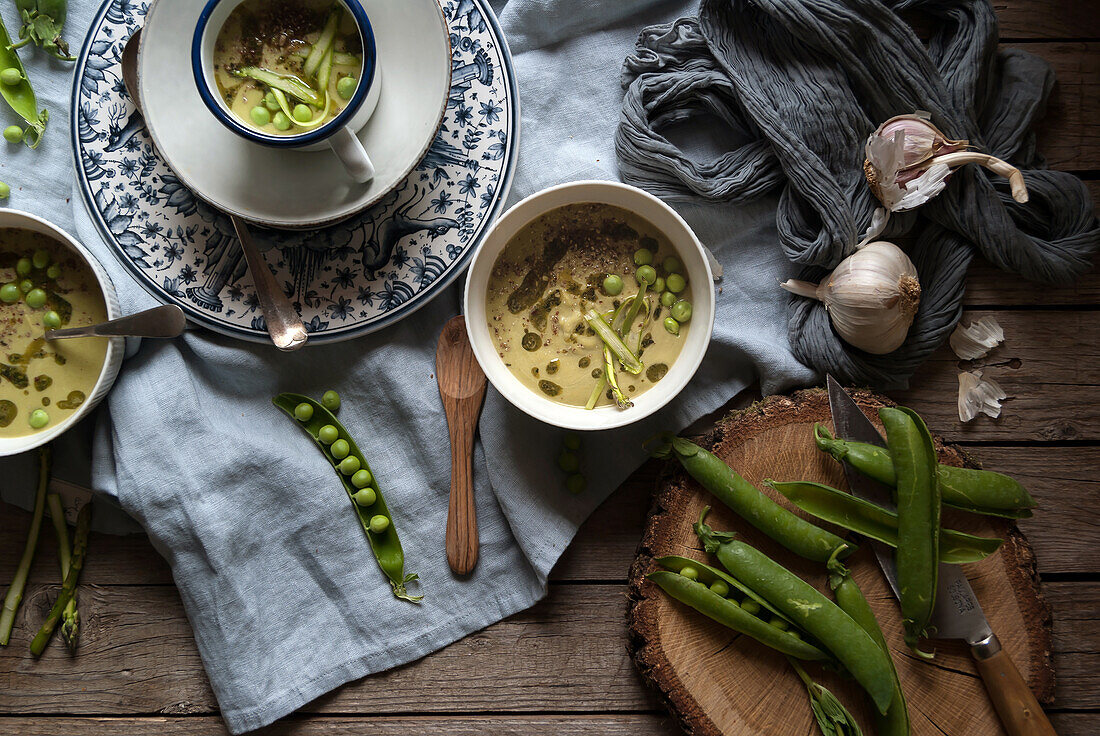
{"type": "Point", "coordinates": [15, 592]}
{"type": "Point", "coordinates": [80, 543]}
{"type": "Point", "coordinates": [70, 626]}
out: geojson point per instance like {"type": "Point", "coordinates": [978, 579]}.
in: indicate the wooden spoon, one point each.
{"type": "Point", "coordinates": [462, 388]}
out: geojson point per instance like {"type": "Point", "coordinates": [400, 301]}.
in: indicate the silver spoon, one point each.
{"type": "Point", "coordinates": [166, 321]}
{"type": "Point", "coordinates": [283, 323]}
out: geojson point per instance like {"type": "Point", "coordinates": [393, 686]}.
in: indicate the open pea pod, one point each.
{"type": "Point", "coordinates": [874, 522]}
{"type": "Point", "coordinates": [385, 544]}
{"type": "Point", "coordinates": [21, 96]}
{"type": "Point", "coordinates": [708, 574]}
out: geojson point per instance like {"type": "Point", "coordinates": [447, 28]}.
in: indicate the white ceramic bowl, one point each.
{"type": "Point", "coordinates": [115, 346]}
{"type": "Point", "coordinates": [688, 248]}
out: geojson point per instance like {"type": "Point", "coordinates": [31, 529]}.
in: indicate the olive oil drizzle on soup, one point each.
{"type": "Point", "coordinates": [55, 377]}
{"type": "Point", "coordinates": [550, 274]}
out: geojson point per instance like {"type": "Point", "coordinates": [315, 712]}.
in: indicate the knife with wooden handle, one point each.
{"type": "Point", "coordinates": [958, 614]}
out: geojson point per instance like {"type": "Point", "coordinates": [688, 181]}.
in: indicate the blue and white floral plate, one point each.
{"type": "Point", "coordinates": [347, 279]}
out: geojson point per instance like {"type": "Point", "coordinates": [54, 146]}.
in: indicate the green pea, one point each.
{"type": "Point", "coordinates": [38, 418]}
{"type": "Point", "coordinates": [11, 76]}
{"type": "Point", "coordinates": [681, 311]}
{"type": "Point", "coordinates": [13, 134]}
{"type": "Point", "coordinates": [778, 623]}
{"type": "Point", "coordinates": [365, 497]}
{"type": "Point", "coordinates": [51, 320]}
{"type": "Point", "coordinates": [672, 326]}
{"type": "Point", "coordinates": [340, 449]}
{"type": "Point", "coordinates": [303, 113]}
{"type": "Point", "coordinates": [576, 484]}
{"type": "Point", "coordinates": [658, 285]}
{"type": "Point", "coordinates": [281, 121]}
{"type": "Point", "coordinates": [572, 441]}
{"type": "Point", "coordinates": [346, 87]}
{"type": "Point", "coordinates": [672, 265]}
{"type": "Point", "coordinates": [350, 465]}
{"type": "Point", "coordinates": [23, 267]}
{"type": "Point", "coordinates": [751, 606]}
{"type": "Point", "coordinates": [668, 298]}
{"type": "Point", "coordinates": [569, 461]}
{"type": "Point", "coordinates": [379, 524]}
{"type": "Point", "coordinates": [5, 190]}
{"type": "Point", "coordinates": [794, 633]}
{"type": "Point", "coordinates": [53, 272]}
{"type": "Point", "coordinates": [9, 293]}
{"type": "Point", "coordinates": [643, 257]}
{"type": "Point", "coordinates": [328, 434]}
{"type": "Point", "coordinates": [270, 102]}
{"type": "Point", "coordinates": [331, 401]}
{"type": "Point", "coordinates": [36, 298]}
{"type": "Point", "coordinates": [362, 478]}
{"type": "Point", "coordinates": [646, 275]}
{"type": "Point", "coordinates": [40, 259]}
{"type": "Point", "coordinates": [26, 285]}
{"type": "Point", "coordinates": [675, 283]}
{"type": "Point", "coordinates": [720, 587]}
{"type": "Point", "coordinates": [613, 285]}
{"type": "Point", "coordinates": [260, 115]}
{"type": "Point", "coordinates": [303, 412]}
{"type": "Point", "coordinates": [689, 572]}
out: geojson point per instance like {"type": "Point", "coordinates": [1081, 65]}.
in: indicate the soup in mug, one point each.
{"type": "Point", "coordinates": [44, 285]}
{"type": "Point", "coordinates": [572, 261]}
{"type": "Point", "coordinates": [289, 66]}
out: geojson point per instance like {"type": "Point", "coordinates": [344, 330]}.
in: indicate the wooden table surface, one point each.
{"type": "Point", "coordinates": [562, 668]}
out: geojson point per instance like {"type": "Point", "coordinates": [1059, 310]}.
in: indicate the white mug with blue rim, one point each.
{"type": "Point", "coordinates": [339, 134]}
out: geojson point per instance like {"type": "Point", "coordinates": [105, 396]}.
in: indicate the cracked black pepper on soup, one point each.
{"type": "Point", "coordinates": [558, 267]}
{"type": "Point", "coordinates": [44, 286]}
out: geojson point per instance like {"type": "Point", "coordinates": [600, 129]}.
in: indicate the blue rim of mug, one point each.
{"type": "Point", "coordinates": [230, 121]}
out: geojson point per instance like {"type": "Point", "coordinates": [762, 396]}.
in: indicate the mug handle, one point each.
{"type": "Point", "coordinates": [347, 146]}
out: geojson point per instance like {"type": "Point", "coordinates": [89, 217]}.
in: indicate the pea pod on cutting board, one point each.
{"type": "Point", "coordinates": [874, 522]}
{"type": "Point", "coordinates": [21, 96]}
{"type": "Point", "coordinates": [708, 574]}
{"type": "Point", "coordinates": [811, 611]}
{"type": "Point", "coordinates": [744, 499]}
{"type": "Point", "coordinates": [918, 496]}
{"type": "Point", "coordinates": [731, 615]}
{"type": "Point", "coordinates": [977, 491]}
{"type": "Point", "coordinates": [383, 539]}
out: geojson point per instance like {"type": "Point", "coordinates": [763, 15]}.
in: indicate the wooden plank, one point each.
{"type": "Point", "coordinates": [137, 656]}
{"type": "Point", "coordinates": [1069, 135]}
{"type": "Point", "coordinates": [1043, 19]}
{"type": "Point", "coordinates": [648, 724]}
{"type": "Point", "coordinates": [1049, 366]}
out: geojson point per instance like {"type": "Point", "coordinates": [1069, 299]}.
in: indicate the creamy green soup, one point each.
{"type": "Point", "coordinates": [43, 285]}
{"type": "Point", "coordinates": [289, 66]}
{"type": "Point", "coordinates": [557, 268]}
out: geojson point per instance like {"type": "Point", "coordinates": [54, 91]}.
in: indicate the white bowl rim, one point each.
{"type": "Point", "coordinates": [682, 370]}
{"type": "Point", "coordinates": [115, 345]}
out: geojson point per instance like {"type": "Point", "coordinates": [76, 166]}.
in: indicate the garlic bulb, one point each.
{"type": "Point", "coordinates": [872, 297]}
{"type": "Point", "coordinates": [977, 339]}
{"type": "Point", "coordinates": [908, 162]}
{"type": "Point", "coordinates": [979, 395]}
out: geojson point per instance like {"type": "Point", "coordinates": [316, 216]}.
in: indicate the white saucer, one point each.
{"type": "Point", "coordinates": [296, 189]}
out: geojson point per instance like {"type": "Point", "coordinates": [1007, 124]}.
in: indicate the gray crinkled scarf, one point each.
{"type": "Point", "coordinates": [803, 83]}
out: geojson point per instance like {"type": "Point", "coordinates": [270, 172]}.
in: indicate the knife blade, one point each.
{"type": "Point", "coordinates": [957, 613]}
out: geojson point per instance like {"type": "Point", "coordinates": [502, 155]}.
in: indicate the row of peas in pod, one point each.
{"type": "Point", "coordinates": [668, 283]}
{"type": "Point", "coordinates": [27, 269]}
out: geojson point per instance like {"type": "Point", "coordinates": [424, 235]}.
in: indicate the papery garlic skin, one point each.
{"type": "Point", "coordinates": [872, 297]}
{"type": "Point", "coordinates": [977, 339]}
{"type": "Point", "coordinates": [922, 139]}
{"type": "Point", "coordinates": [979, 395]}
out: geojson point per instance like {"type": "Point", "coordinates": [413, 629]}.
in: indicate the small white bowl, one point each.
{"type": "Point", "coordinates": [115, 345]}
{"type": "Point", "coordinates": [661, 216]}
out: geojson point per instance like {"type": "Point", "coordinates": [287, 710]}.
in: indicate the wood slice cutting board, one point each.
{"type": "Point", "coordinates": [720, 683]}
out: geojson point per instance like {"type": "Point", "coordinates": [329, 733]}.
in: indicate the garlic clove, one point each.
{"type": "Point", "coordinates": [872, 297]}
{"type": "Point", "coordinates": [977, 339]}
{"type": "Point", "coordinates": [979, 395]}
{"type": "Point", "coordinates": [921, 139]}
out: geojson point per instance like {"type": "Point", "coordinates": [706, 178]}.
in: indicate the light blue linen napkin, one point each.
{"type": "Point", "coordinates": [274, 573]}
